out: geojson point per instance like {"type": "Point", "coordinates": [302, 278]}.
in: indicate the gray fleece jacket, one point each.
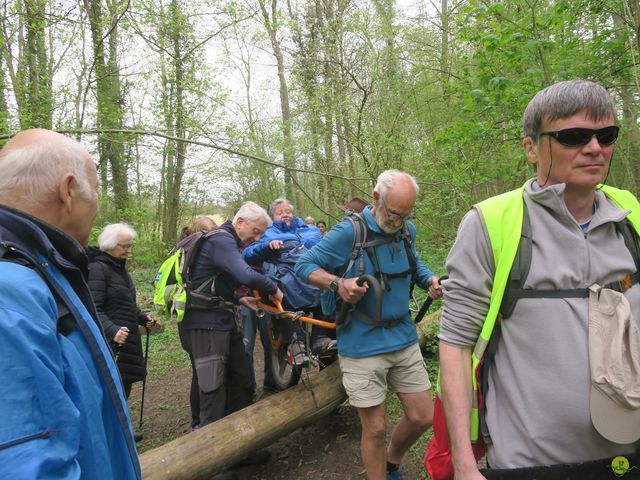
{"type": "Point", "coordinates": [539, 383]}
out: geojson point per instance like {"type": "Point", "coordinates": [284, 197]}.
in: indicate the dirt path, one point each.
{"type": "Point", "coordinates": [327, 449]}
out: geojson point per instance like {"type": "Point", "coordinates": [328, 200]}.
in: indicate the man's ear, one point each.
{"type": "Point", "coordinates": [530, 150]}
{"type": "Point", "coordinates": [376, 197]}
{"type": "Point", "coordinates": [67, 191]}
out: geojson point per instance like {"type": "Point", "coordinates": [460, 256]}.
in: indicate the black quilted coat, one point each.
{"type": "Point", "coordinates": [115, 298]}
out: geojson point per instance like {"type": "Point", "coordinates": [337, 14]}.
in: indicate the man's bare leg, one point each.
{"type": "Point", "coordinates": [374, 441]}
{"type": "Point", "coordinates": [418, 417]}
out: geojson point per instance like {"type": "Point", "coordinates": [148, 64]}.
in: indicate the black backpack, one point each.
{"type": "Point", "coordinates": [362, 244]}
{"type": "Point", "coordinates": [174, 291]}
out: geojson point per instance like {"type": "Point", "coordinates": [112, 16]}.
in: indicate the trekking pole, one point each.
{"type": "Point", "coordinates": [144, 380]}
{"type": "Point", "coordinates": [427, 303]}
{"type": "Point", "coordinates": [377, 298]}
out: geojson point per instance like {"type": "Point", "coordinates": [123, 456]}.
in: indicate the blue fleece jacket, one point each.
{"type": "Point", "coordinates": [359, 339]}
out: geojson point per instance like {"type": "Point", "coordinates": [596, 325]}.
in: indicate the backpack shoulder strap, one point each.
{"type": "Point", "coordinates": [191, 251]}
{"type": "Point", "coordinates": [359, 239]}
{"type": "Point", "coordinates": [362, 244]}
{"type": "Point", "coordinates": [520, 268]}
{"type": "Point", "coordinates": [630, 240]}
{"type": "Point", "coordinates": [413, 264]}
{"type": "Point", "coordinates": [190, 247]}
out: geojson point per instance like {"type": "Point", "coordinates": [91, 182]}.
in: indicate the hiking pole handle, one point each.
{"type": "Point", "coordinates": [427, 303]}
{"type": "Point", "coordinates": [374, 285]}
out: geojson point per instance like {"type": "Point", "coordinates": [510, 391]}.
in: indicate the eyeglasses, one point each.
{"type": "Point", "coordinates": [126, 246]}
{"type": "Point", "coordinates": [579, 137]}
{"type": "Point", "coordinates": [395, 216]}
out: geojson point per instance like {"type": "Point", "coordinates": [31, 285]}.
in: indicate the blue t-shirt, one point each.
{"type": "Point", "coordinates": [359, 339]}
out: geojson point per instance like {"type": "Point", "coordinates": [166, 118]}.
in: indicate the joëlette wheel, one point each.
{"type": "Point", "coordinates": [285, 375]}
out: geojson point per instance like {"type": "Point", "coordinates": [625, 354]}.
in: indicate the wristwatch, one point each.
{"type": "Point", "coordinates": [333, 286]}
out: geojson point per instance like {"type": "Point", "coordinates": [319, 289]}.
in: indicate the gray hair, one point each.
{"type": "Point", "coordinates": [33, 171]}
{"type": "Point", "coordinates": [251, 212]}
{"type": "Point", "coordinates": [276, 203]}
{"type": "Point", "coordinates": [387, 178]}
{"type": "Point", "coordinates": [112, 233]}
{"type": "Point", "coordinates": [564, 99]}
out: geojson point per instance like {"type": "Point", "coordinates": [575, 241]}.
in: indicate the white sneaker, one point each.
{"type": "Point", "coordinates": [323, 345]}
{"type": "Point", "coordinates": [297, 354]}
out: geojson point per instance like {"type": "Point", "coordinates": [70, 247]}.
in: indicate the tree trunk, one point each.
{"type": "Point", "coordinates": [306, 33]}
{"type": "Point", "coordinates": [444, 50]}
{"type": "Point", "coordinates": [328, 72]}
{"type": "Point", "coordinates": [388, 155]}
{"type": "Point", "coordinates": [17, 72]}
{"type": "Point", "coordinates": [40, 101]}
{"type": "Point", "coordinates": [109, 98]}
{"type": "Point", "coordinates": [220, 445]}
{"type": "Point", "coordinates": [168, 152]}
{"type": "Point", "coordinates": [172, 33]}
{"type": "Point", "coordinates": [288, 151]}
{"type": "Point", "coordinates": [30, 76]}
{"type": "Point", "coordinates": [117, 158]}
{"type": "Point", "coordinates": [173, 193]}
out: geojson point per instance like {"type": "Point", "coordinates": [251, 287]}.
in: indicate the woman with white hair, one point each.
{"type": "Point", "coordinates": [115, 297]}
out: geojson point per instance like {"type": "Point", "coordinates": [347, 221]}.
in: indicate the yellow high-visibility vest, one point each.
{"type": "Point", "coordinates": [503, 217]}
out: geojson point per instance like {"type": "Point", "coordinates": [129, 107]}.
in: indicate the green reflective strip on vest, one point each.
{"type": "Point", "coordinates": [475, 421]}
{"type": "Point", "coordinates": [480, 348]}
{"type": "Point", "coordinates": [179, 302]}
{"type": "Point", "coordinates": [168, 293]}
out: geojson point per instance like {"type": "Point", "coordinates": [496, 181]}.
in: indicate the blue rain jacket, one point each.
{"type": "Point", "coordinates": [63, 413]}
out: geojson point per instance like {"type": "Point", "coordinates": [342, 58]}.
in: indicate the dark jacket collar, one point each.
{"type": "Point", "coordinates": [20, 229]}
{"type": "Point", "coordinates": [95, 254]}
{"type": "Point", "coordinates": [228, 226]}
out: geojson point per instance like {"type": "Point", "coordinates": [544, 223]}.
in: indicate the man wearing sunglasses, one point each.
{"type": "Point", "coordinates": [536, 378]}
{"type": "Point", "coordinates": [379, 348]}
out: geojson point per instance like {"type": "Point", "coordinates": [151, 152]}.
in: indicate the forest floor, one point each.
{"type": "Point", "coordinates": [326, 449]}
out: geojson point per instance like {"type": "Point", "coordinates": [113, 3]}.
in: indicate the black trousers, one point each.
{"type": "Point", "coordinates": [194, 391]}
{"type": "Point", "coordinates": [223, 371]}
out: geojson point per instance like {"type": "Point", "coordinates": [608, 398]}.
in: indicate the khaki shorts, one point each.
{"type": "Point", "coordinates": [365, 379]}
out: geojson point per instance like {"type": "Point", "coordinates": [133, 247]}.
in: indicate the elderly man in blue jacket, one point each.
{"type": "Point", "coordinates": [374, 355]}
{"type": "Point", "coordinates": [63, 409]}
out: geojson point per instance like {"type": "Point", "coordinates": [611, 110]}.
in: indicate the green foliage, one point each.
{"type": "Point", "coordinates": [430, 351]}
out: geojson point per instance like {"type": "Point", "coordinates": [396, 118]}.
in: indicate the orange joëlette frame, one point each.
{"type": "Point", "coordinates": [278, 309]}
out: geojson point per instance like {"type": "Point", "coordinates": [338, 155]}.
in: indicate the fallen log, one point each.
{"type": "Point", "coordinates": [423, 326]}
{"type": "Point", "coordinates": [222, 444]}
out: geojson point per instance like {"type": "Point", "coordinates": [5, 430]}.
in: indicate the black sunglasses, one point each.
{"type": "Point", "coordinates": [578, 137]}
